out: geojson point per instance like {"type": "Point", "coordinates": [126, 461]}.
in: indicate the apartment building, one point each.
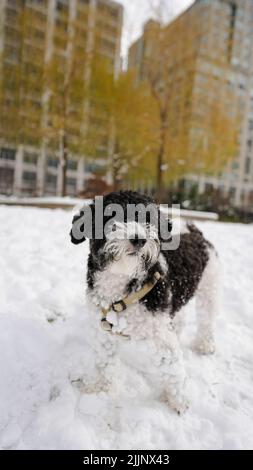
{"type": "Point", "coordinates": [210, 52]}
{"type": "Point", "coordinates": [28, 166]}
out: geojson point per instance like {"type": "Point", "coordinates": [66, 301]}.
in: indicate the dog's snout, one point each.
{"type": "Point", "coordinates": [138, 242]}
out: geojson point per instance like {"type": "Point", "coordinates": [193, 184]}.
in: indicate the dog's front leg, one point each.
{"type": "Point", "coordinates": [104, 361]}
{"type": "Point", "coordinates": [172, 373]}
{"type": "Point", "coordinates": [95, 375]}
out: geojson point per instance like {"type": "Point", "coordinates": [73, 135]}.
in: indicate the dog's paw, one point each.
{"type": "Point", "coordinates": [204, 346]}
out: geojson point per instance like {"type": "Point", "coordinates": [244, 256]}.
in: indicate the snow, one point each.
{"type": "Point", "coordinates": [77, 203]}
{"type": "Point", "coordinates": [187, 214]}
{"type": "Point", "coordinates": [45, 343]}
{"type": "Point", "coordinates": [66, 201]}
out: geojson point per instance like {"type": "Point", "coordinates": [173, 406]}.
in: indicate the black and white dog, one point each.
{"type": "Point", "coordinates": [140, 287]}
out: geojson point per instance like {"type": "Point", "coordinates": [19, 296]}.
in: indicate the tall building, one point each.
{"type": "Point", "coordinates": [210, 58]}
{"type": "Point", "coordinates": [34, 34]}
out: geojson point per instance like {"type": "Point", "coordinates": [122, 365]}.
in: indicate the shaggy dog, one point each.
{"type": "Point", "coordinates": [140, 287]}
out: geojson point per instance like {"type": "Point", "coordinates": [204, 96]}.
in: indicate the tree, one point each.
{"type": "Point", "coordinates": [66, 82]}
{"type": "Point", "coordinates": [43, 96]}
{"type": "Point", "coordinates": [128, 113]}
{"type": "Point", "coordinates": [21, 82]}
{"type": "Point", "coordinates": [43, 99]}
{"type": "Point", "coordinates": [188, 138]}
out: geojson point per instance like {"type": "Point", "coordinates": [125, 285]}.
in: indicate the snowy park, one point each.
{"type": "Point", "coordinates": [46, 346]}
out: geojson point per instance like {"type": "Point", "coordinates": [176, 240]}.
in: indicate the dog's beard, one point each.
{"type": "Point", "coordinates": [119, 248]}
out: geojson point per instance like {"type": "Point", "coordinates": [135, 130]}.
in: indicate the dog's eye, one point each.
{"type": "Point", "coordinates": [114, 228]}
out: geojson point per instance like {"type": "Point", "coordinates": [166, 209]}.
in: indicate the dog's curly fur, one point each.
{"type": "Point", "coordinates": [190, 269]}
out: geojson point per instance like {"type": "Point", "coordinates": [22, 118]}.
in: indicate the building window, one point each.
{"type": "Point", "coordinates": [71, 181]}
{"type": "Point", "coordinates": [52, 162]}
{"type": "Point", "coordinates": [30, 179]}
{"type": "Point", "coordinates": [114, 13]}
{"type": "Point", "coordinates": [51, 179]}
{"type": "Point", "coordinates": [40, 2]}
{"type": "Point", "coordinates": [71, 186]}
{"type": "Point", "coordinates": [62, 25]}
{"type": "Point", "coordinates": [247, 165]}
{"type": "Point", "coordinates": [51, 184]}
{"type": "Point", "coordinates": [6, 180]}
{"type": "Point", "coordinates": [72, 165]}
{"type": "Point", "coordinates": [39, 34]}
{"type": "Point", "coordinates": [7, 154]}
{"type": "Point", "coordinates": [233, 14]}
{"type": "Point", "coordinates": [30, 158]}
{"type": "Point", "coordinates": [11, 15]}
{"type": "Point", "coordinates": [232, 193]}
{"type": "Point", "coordinates": [108, 45]}
{"type": "Point", "coordinates": [12, 53]}
{"type": "Point", "coordinates": [12, 3]}
{"type": "Point", "coordinates": [62, 6]}
{"type": "Point", "coordinates": [91, 167]}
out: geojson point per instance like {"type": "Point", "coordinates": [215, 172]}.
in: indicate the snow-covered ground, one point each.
{"type": "Point", "coordinates": [45, 343]}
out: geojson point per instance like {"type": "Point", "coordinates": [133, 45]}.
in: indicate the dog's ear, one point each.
{"type": "Point", "coordinates": [165, 225]}
{"type": "Point", "coordinates": [77, 231]}
{"type": "Point", "coordinates": [170, 226]}
{"type": "Point", "coordinates": [83, 225]}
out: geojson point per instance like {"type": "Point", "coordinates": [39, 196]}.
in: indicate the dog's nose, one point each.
{"type": "Point", "coordinates": [138, 242]}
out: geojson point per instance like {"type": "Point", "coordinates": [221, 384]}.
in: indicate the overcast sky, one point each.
{"type": "Point", "coordinates": [138, 11]}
